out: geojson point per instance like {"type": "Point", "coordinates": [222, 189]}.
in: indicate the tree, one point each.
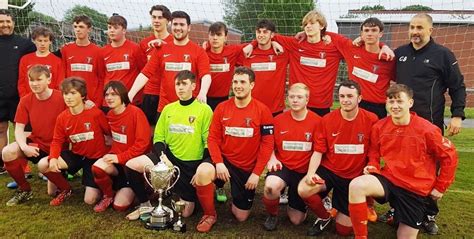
{"type": "Point", "coordinates": [99, 20]}
{"type": "Point", "coordinates": [417, 8]}
{"type": "Point", "coordinates": [372, 8]}
{"type": "Point", "coordinates": [286, 14]}
{"type": "Point", "coordinates": [22, 17]}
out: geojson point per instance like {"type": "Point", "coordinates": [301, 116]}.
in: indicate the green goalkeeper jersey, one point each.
{"type": "Point", "coordinates": [184, 129]}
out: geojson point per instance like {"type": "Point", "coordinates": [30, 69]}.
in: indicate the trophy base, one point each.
{"type": "Point", "coordinates": [158, 226]}
{"type": "Point", "coordinates": [179, 228]}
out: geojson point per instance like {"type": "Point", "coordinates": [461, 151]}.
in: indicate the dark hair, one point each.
{"type": "Point", "coordinates": [267, 24]}
{"type": "Point", "coordinates": [217, 27]}
{"type": "Point", "coordinates": [76, 83]}
{"type": "Point", "coordinates": [395, 90]}
{"type": "Point", "coordinates": [42, 31]}
{"type": "Point", "coordinates": [372, 22]}
{"type": "Point", "coordinates": [8, 13]}
{"type": "Point", "coordinates": [242, 70]}
{"type": "Point", "coordinates": [120, 89]}
{"type": "Point", "coordinates": [83, 18]}
{"type": "Point", "coordinates": [164, 10]}
{"type": "Point", "coordinates": [181, 14]}
{"type": "Point", "coordinates": [38, 70]}
{"type": "Point", "coordinates": [185, 75]}
{"type": "Point", "coordinates": [351, 85]}
{"type": "Point", "coordinates": [116, 19]}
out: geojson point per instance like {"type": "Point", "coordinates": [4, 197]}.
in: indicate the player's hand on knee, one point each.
{"type": "Point", "coordinates": [222, 172]}
{"type": "Point", "coordinates": [31, 151]}
{"type": "Point", "coordinates": [54, 165]}
{"type": "Point", "coordinates": [193, 180]}
{"type": "Point", "coordinates": [252, 182]}
{"type": "Point", "coordinates": [370, 169]}
{"type": "Point", "coordinates": [274, 165]}
{"type": "Point", "coordinates": [110, 158]}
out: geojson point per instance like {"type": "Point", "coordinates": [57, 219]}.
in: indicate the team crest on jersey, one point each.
{"type": "Point", "coordinates": [125, 56]}
{"type": "Point", "coordinates": [375, 68]}
{"type": "Point", "coordinates": [89, 60]}
{"type": "Point", "coordinates": [186, 57]}
{"type": "Point", "coordinates": [191, 119]}
{"type": "Point", "coordinates": [322, 55]}
{"type": "Point", "coordinates": [270, 57]}
{"type": "Point", "coordinates": [123, 128]}
{"type": "Point", "coordinates": [87, 126]}
{"type": "Point", "coordinates": [248, 121]}
{"type": "Point", "coordinates": [360, 137]}
{"type": "Point", "coordinates": [307, 136]}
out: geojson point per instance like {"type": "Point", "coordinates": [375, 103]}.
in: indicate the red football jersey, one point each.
{"type": "Point", "coordinates": [170, 59]}
{"type": "Point", "coordinates": [85, 62]}
{"type": "Point", "coordinates": [363, 67]}
{"type": "Point", "coordinates": [410, 152]}
{"type": "Point", "coordinates": [294, 140]}
{"type": "Point", "coordinates": [243, 136]}
{"type": "Point", "coordinates": [123, 63]}
{"type": "Point", "coordinates": [32, 111]}
{"type": "Point", "coordinates": [222, 69]}
{"type": "Point", "coordinates": [315, 65]}
{"type": "Point", "coordinates": [53, 63]}
{"type": "Point", "coordinates": [130, 133]}
{"type": "Point", "coordinates": [152, 87]}
{"type": "Point", "coordinates": [85, 132]}
{"type": "Point", "coordinates": [270, 77]}
{"type": "Point", "coordinates": [344, 144]}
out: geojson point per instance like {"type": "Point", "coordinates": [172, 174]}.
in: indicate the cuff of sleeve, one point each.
{"type": "Point", "coordinates": [440, 188]}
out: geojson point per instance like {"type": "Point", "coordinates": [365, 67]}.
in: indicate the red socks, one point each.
{"type": "Point", "coordinates": [271, 205]}
{"type": "Point", "coordinates": [120, 208]}
{"type": "Point", "coordinates": [103, 181]}
{"type": "Point", "coordinates": [16, 170]}
{"type": "Point", "coordinates": [314, 202]}
{"type": "Point", "coordinates": [358, 212]}
{"type": "Point", "coordinates": [205, 195]}
{"type": "Point", "coordinates": [58, 180]}
{"type": "Point", "coordinates": [342, 230]}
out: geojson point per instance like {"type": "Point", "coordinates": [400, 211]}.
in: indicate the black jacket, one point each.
{"type": "Point", "coordinates": [12, 48]}
{"type": "Point", "coordinates": [430, 71]}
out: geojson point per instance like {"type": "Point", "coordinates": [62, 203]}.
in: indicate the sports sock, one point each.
{"type": "Point", "coordinates": [342, 230]}
{"type": "Point", "coordinates": [103, 181]}
{"type": "Point", "coordinates": [136, 183]}
{"type": "Point", "coordinates": [58, 180]}
{"type": "Point", "coordinates": [205, 195]}
{"type": "Point", "coordinates": [316, 205]}
{"type": "Point", "coordinates": [120, 208]}
{"type": "Point", "coordinates": [271, 205]}
{"type": "Point", "coordinates": [358, 212]}
{"type": "Point", "coordinates": [15, 169]}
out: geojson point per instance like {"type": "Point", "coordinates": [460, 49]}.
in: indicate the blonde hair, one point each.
{"type": "Point", "coordinates": [315, 16]}
{"type": "Point", "coordinates": [299, 86]}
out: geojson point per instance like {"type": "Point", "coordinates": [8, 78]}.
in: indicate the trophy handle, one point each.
{"type": "Point", "coordinates": [176, 169]}
{"type": "Point", "coordinates": [145, 176]}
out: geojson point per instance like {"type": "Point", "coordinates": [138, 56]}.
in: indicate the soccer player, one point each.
{"type": "Point", "coordinates": [364, 66]}
{"type": "Point", "coordinates": [295, 133]}
{"type": "Point", "coordinates": [82, 58]}
{"type": "Point", "coordinates": [160, 18]}
{"type": "Point", "coordinates": [129, 139]}
{"type": "Point", "coordinates": [13, 47]}
{"type": "Point", "coordinates": [171, 58]}
{"type": "Point", "coordinates": [31, 110]}
{"type": "Point", "coordinates": [84, 129]}
{"type": "Point", "coordinates": [43, 38]}
{"type": "Point", "coordinates": [409, 146]}
{"type": "Point", "coordinates": [180, 139]}
{"type": "Point", "coordinates": [123, 58]}
{"type": "Point", "coordinates": [270, 68]}
{"type": "Point", "coordinates": [240, 143]}
{"type": "Point", "coordinates": [340, 155]}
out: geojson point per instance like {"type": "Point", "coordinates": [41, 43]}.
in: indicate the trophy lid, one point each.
{"type": "Point", "coordinates": [160, 167]}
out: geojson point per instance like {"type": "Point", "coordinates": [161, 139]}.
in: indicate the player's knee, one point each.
{"type": "Point", "coordinates": [43, 165]}
{"type": "Point", "coordinates": [241, 217]}
{"type": "Point", "coordinates": [90, 199]}
{"type": "Point", "coordinates": [303, 190]}
{"type": "Point", "coordinates": [9, 154]}
{"type": "Point", "coordinates": [297, 219]}
{"type": "Point", "coordinates": [357, 186]}
{"type": "Point", "coordinates": [204, 174]}
{"type": "Point", "coordinates": [188, 210]}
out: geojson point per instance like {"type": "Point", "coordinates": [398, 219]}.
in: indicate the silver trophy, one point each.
{"type": "Point", "coordinates": [161, 177]}
{"type": "Point", "coordinates": [178, 207]}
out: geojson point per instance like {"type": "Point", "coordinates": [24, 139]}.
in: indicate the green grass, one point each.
{"type": "Point", "coordinates": [469, 113]}
{"type": "Point", "coordinates": [74, 219]}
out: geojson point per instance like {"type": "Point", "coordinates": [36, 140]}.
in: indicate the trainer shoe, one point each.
{"type": "Point", "coordinates": [371, 214]}
{"type": "Point", "coordinates": [430, 225]}
{"type": "Point", "coordinates": [284, 198]}
{"type": "Point", "coordinates": [20, 197]}
{"type": "Point", "coordinates": [271, 223]}
{"type": "Point", "coordinates": [2, 170]}
{"type": "Point", "coordinates": [12, 185]}
{"type": "Point", "coordinates": [220, 195]}
{"type": "Point", "coordinates": [387, 217]}
{"type": "Point", "coordinates": [206, 223]}
{"type": "Point", "coordinates": [318, 226]}
{"type": "Point", "coordinates": [59, 199]}
{"type": "Point", "coordinates": [103, 204]}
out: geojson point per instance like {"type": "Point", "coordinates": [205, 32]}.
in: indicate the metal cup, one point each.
{"type": "Point", "coordinates": [161, 181]}
{"type": "Point", "coordinates": [178, 207]}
